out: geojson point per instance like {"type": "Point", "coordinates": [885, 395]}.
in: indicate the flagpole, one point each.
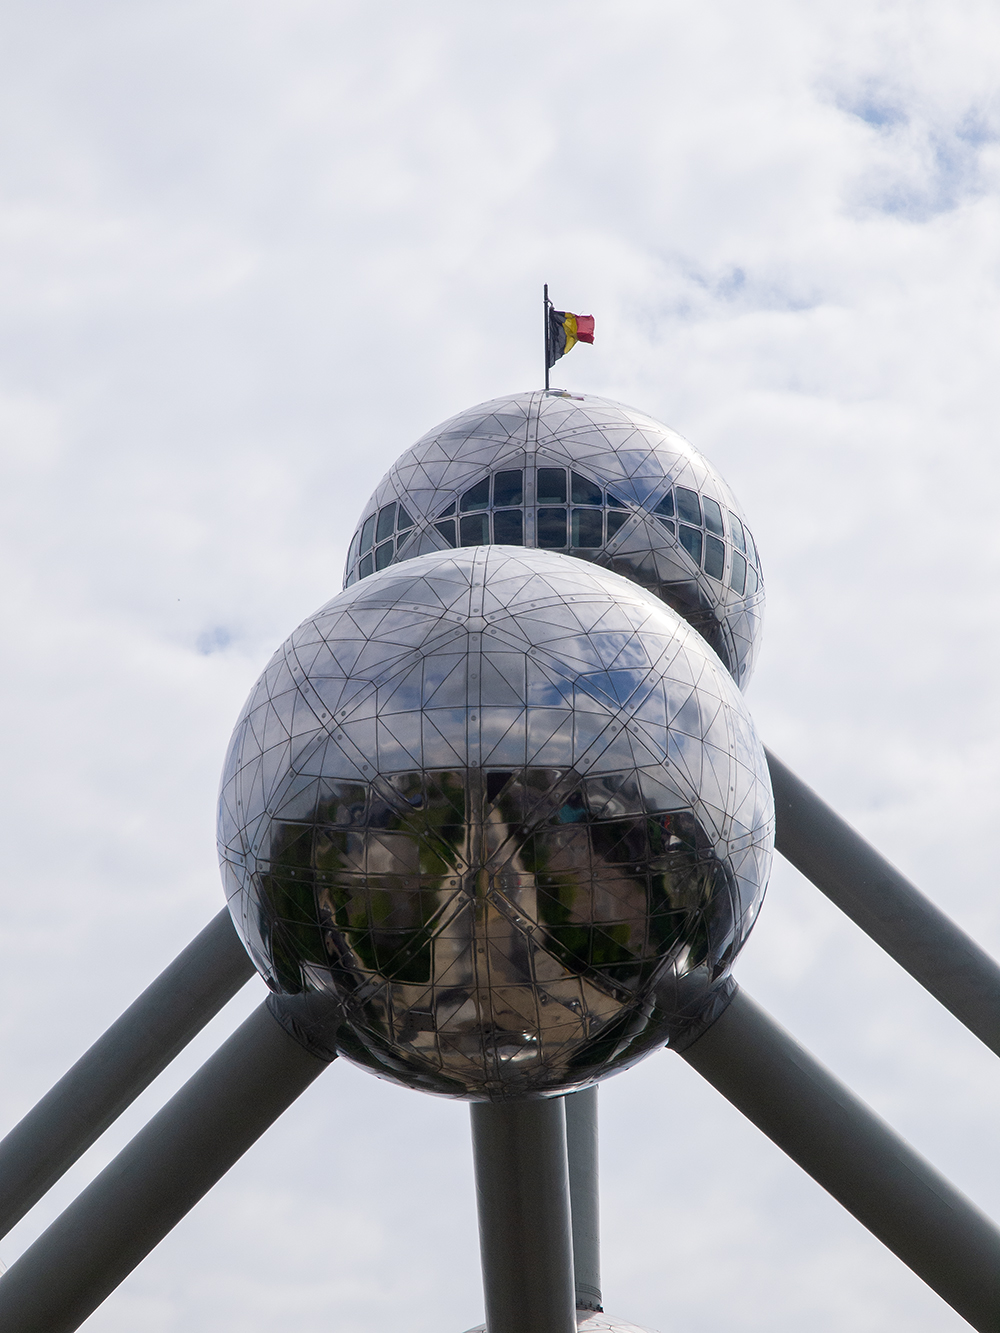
{"type": "Point", "coordinates": [545, 303]}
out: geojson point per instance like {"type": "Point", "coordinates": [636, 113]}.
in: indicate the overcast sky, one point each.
{"type": "Point", "coordinates": [249, 252]}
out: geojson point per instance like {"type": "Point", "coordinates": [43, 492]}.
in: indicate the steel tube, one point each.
{"type": "Point", "coordinates": [119, 1065]}
{"type": "Point", "coordinates": [525, 1237]}
{"type": "Point", "coordinates": [897, 916]}
{"type": "Point", "coordinates": [855, 1156]}
{"type": "Point", "coordinates": [169, 1165]}
{"type": "Point", "coordinates": [581, 1152]}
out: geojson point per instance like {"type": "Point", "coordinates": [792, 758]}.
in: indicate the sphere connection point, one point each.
{"type": "Point", "coordinates": [586, 476]}
{"type": "Point", "coordinates": [505, 813]}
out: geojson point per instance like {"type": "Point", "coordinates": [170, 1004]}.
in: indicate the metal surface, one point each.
{"type": "Point", "coordinates": [855, 1156]}
{"type": "Point", "coordinates": [119, 1065]}
{"type": "Point", "coordinates": [897, 916]}
{"type": "Point", "coordinates": [156, 1179]}
{"type": "Point", "coordinates": [522, 1193]}
{"type": "Point", "coordinates": [506, 806]}
{"type": "Point", "coordinates": [584, 1193]}
{"type": "Point", "coordinates": [593, 478]}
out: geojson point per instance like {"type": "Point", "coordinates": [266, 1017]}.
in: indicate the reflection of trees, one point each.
{"type": "Point", "coordinates": [287, 906]}
{"type": "Point", "coordinates": [617, 894]}
{"type": "Point", "coordinates": [382, 884]}
{"type": "Point", "coordinates": [359, 887]}
{"type": "Point", "coordinates": [525, 910]}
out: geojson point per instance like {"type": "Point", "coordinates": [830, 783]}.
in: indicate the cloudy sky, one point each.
{"type": "Point", "coordinates": [251, 251]}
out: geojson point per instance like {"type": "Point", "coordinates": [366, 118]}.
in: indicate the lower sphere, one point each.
{"type": "Point", "coordinates": [497, 823]}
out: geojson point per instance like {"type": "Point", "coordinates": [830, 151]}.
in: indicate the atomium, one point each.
{"type": "Point", "coordinates": [505, 812]}
{"type": "Point", "coordinates": [586, 476]}
{"type": "Point", "coordinates": [494, 823]}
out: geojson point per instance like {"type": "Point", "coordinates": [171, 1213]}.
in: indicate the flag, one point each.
{"type": "Point", "coordinates": [565, 331]}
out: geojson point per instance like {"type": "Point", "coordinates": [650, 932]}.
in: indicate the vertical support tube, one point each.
{"type": "Point", "coordinates": [169, 1165]}
{"type": "Point", "coordinates": [525, 1235]}
{"type": "Point", "coordinates": [855, 1156]}
{"type": "Point", "coordinates": [582, 1152]}
{"type": "Point", "coordinates": [106, 1079]}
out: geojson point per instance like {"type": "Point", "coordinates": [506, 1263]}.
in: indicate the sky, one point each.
{"type": "Point", "coordinates": [250, 252]}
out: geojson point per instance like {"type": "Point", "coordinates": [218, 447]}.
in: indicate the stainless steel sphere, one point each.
{"type": "Point", "coordinates": [595, 479]}
{"type": "Point", "coordinates": [506, 812]}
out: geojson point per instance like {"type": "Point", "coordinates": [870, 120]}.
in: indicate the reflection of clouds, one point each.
{"type": "Point", "coordinates": [498, 929]}
{"type": "Point", "coordinates": [633, 478]}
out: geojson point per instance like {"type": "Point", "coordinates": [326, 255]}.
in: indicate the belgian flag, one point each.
{"type": "Point", "coordinates": [565, 331]}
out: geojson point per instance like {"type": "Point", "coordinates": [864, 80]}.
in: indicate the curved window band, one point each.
{"type": "Point", "coordinates": [491, 512]}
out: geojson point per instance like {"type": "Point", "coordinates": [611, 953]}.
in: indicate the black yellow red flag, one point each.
{"type": "Point", "coordinates": [565, 331]}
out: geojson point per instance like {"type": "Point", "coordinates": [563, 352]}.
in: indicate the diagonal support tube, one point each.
{"type": "Point", "coordinates": [154, 1181]}
{"type": "Point", "coordinates": [897, 916]}
{"type": "Point", "coordinates": [525, 1236]}
{"type": "Point", "coordinates": [855, 1156]}
{"type": "Point", "coordinates": [106, 1079]}
{"type": "Point", "coordinates": [581, 1150]}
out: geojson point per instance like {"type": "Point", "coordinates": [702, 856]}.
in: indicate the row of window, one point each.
{"type": "Point", "coordinates": [707, 548]}
{"type": "Point", "coordinates": [587, 528]}
{"type": "Point", "coordinates": [378, 531]}
{"type": "Point", "coordinates": [486, 513]}
{"type": "Point", "coordinates": [689, 508]}
{"type": "Point", "coordinates": [550, 489]}
{"type": "Point", "coordinates": [389, 519]}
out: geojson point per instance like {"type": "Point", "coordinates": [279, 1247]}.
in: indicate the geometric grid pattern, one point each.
{"type": "Point", "coordinates": [583, 475]}
{"type": "Point", "coordinates": [505, 806]}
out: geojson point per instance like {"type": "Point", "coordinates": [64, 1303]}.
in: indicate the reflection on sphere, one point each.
{"type": "Point", "coordinates": [505, 809]}
{"type": "Point", "coordinates": [579, 474]}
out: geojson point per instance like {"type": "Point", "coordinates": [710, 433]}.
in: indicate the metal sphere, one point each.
{"type": "Point", "coordinates": [506, 812]}
{"type": "Point", "coordinates": [587, 476]}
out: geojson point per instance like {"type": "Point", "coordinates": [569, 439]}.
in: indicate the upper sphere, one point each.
{"type": "Point", "coordinates": [501, 812]}
{"type": "Point", "coordinates": [587, 476]}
